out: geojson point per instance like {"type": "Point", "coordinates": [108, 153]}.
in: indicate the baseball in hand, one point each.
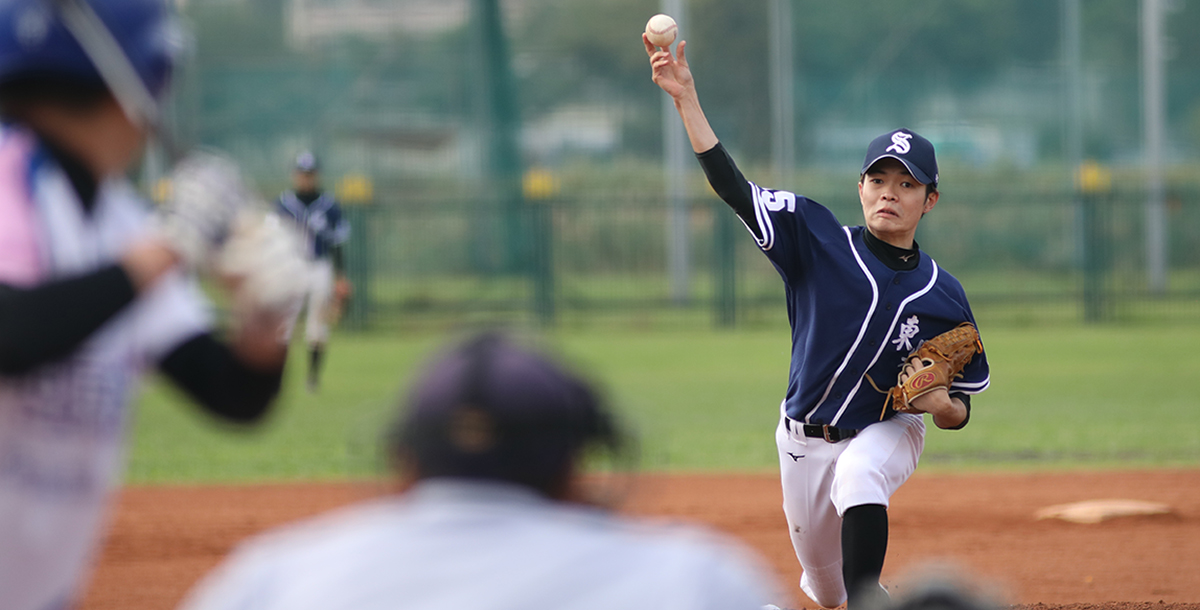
{"type": "Point", "coordinates": [661, 30]}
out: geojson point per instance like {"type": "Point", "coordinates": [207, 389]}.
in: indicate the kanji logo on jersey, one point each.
{"type": "Point", "coordinates": [908, 330]}
{"type": "Point", "coordinates": [900, 143]}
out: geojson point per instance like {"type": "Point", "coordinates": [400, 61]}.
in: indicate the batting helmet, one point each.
{"type": "Point", "coordinates": [491, 409]}
{"type": "Point", "coordinates": [35, 42]}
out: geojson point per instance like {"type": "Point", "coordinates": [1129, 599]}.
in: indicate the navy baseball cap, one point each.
{"type": "Point", "coordinates": [904, 145]}
{"type": "Point", "coordinates": [306, 162]}
{"type": "Point", "coordinates": [489, 408]}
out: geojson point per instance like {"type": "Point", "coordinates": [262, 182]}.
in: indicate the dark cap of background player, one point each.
{"type": "Point", "coordinates": [488, 408]}
{"type": "Point", "coordinates": [306, 162]}
{"type": "Point", "coordinates": [904, 145]}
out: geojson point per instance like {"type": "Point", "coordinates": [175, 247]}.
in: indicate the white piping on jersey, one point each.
{"type": "Point", "coordinates": [971, 387]}
{"type": "Point", "coordinates": [882, 344]}
{"type": "Point", "coordinates": [862, 331]}
{"type": "Point", "coordinates": [767, 241]}
{"type": "Point", "coordinates": [322, 204]}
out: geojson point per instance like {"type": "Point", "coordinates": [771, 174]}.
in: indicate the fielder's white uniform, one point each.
{"type": "Point", "coordinates": [325, 228]}
{"type": "Point", "coordinates": [62, 425]}
{"type": "Point", "coordinates": [453, 543]}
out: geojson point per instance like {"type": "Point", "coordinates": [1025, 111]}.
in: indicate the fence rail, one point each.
{"type": "Point", "coordinates": [1023, 257]}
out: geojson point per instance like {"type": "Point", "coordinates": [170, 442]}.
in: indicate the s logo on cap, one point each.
{"type": "Point", "coordinates": [900, 143]}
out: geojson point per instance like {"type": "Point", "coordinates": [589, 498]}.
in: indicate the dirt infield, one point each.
{"type": "Point", "coordinates": [164, 538]}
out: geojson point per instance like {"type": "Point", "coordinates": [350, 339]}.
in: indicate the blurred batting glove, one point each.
{"type": "Point", "coordinates": [263, 259]}
{"type": "Point", "coordinates": [207, 192]}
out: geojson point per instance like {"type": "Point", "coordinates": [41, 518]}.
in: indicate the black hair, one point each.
{"type": "Point", "coordinates": [930, 188]}
{"type": "Point", "coordinates": [49, 88]}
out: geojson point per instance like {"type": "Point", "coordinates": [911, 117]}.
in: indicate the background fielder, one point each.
{"type": "Point", "coordinates": [317, 213]}
{"type": "Point", "coordinates": [859, 300]}
{"type": "Point", "coordinates": [93, 290]}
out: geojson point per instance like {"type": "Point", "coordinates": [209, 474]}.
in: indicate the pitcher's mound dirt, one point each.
{"type": "Point", "coordinates": [164, 538]}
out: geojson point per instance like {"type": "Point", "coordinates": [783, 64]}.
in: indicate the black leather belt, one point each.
{"type": "Point", "coordinates": [829, 433]}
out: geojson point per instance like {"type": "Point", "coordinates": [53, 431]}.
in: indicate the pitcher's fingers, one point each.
{"type": "Point", "coordinates": [650, 49]}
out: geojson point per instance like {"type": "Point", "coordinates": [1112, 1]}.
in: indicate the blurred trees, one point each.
{"type": "Point", "coordinates": [864, 60]}
{"type": "Point", "coordinates": [857, 61]}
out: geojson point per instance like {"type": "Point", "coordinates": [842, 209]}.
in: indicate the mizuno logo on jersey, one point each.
{"type": "Point", "coordinates": [900, 143]}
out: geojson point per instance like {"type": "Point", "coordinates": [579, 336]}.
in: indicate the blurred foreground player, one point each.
{"type": "Point", "coordinates": [490, 450]}
{"type": "Point", "coordinates": [860, 300]}
{"type": "Point", "coordinates": [318, 215]}
{"type": "Point", "coordinates": [92, 288]}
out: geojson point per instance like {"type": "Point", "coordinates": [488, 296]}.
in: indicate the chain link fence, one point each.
{"type": "Point", "coordinates": [1024, 258]}
{"type": "Point", "coordinates": [506, 157]}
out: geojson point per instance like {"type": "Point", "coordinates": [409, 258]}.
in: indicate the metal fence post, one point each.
{"type": "Point", "coordinates": [541, 188]}
{"type": "Point", "coordinates": [359, 266]}
{"type": "Point", "coordinates": [1094, 183]}
{"type": "Point", "coordinates": [541, 215]}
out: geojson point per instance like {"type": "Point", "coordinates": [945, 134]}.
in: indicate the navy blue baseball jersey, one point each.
{"type": "Point", "coordinates": [321, 220]}
{"type": "Point", "coordinates": [854, 319]}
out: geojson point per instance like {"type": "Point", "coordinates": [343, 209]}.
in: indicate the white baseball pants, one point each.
{"type": "Point", "coordinates": [316, 303]}
{"type": "Point", "coordinates": [821, 480]}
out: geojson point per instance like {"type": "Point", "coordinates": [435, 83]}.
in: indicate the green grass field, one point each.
{"type": "Point", "coordinates": [1078, 397]}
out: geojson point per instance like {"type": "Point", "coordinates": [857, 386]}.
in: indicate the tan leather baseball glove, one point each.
{"type": "Point", "coordinates": [942, 359]}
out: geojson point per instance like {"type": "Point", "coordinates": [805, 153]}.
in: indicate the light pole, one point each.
{"type": "Point", "coordinates": [676, 149]}
{"type": "Point", "coordinates": [1154, 138]}
{"type": "Point", "coordinates": [783, 82]}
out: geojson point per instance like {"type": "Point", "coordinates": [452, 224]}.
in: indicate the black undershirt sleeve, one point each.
{"type": "Point", "coordinates": [966, 400]}
{"type": "Point", "coordinates": [215, 378]}
{"type": "Point", "coordinates": [730, 185]}
{"type": "Point", "coordinates": [46, 323]}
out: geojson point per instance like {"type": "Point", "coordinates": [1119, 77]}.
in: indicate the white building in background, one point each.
{"type": "Point", "coordinates": [313, 20]}
{"type": "Point", "coordinates": [587, 129]}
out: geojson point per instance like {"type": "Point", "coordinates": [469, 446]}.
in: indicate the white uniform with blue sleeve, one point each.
{"type": "Point", "coordinates": [62, 426]}
{"type": "Point", "coordinates": [90, 291]}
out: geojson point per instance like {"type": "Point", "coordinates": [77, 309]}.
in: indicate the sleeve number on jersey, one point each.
{"type": "Point", "coordinates": [775, 200]}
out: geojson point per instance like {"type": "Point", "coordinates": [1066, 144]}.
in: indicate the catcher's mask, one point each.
{"type": "Point", "coordinates": [491, 409]}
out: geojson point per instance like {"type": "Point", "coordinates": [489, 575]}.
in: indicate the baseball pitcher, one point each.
{"type": "Point", "coordinates": [862, 302]}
